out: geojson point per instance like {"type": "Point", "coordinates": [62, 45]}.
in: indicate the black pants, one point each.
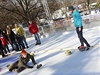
{"type": "Point", "coordinates": [6, 49]}
{"type": "Point", "coordinates": [1, 51]}
{"type": "Point", "coordinates": [15, 45]}
{"type": "Point", "coordinates": [81, 38]}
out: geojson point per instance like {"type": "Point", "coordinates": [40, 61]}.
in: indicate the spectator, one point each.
{"type": "Point", "coordinates": [12, 39]}
{"type": "Point", "coordinates": [1, 48]}
{"type": "Point", "coordinates": [4, 33]}
{"type": "Point", "coordinates": [20, 32]}
{"type": "Point", "coordinates": [34, 30]}
{"type": "Point", "coordinates": [4, 43]}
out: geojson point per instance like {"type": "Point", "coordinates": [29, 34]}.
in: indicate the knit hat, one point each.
{"type": "Point", "coordinates": [23, 52]}
{"type": "Point", "coordinates": [70, 8]}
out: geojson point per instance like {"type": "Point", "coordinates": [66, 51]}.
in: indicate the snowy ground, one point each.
{"type": "Point", "coordinates": [52, 55]}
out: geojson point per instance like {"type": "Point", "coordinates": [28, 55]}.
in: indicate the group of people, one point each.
{"type": "Point", "coordinates": [17, 39]}
{"type": "Point", "coordinates": [18, 42]}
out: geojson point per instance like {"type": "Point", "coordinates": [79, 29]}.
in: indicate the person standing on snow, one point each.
{"type": "Point", "coordinates": [12, 39]}
{"type": "Point", "coordinates": [1, 47]}
{"type": "Point", "coordinates": [21, 63]}
{"type": "Point", "coordinates": [34, 30]}
{"type": "Point", "coordinates": [20, 32]}
{"type": "Point", "coordinates": [79, 27]}
{"type": "Point", "coordinates": [4, 43]}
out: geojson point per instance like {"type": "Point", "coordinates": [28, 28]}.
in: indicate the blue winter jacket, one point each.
{"type": "Point", "coordinates": [77, 18]}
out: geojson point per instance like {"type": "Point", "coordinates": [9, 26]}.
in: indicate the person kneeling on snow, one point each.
{"type": "Point", "coordinates": [21, 64]}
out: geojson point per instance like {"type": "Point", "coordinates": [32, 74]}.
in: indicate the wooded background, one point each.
{"type": "Point", "coordinates": [19, 11]}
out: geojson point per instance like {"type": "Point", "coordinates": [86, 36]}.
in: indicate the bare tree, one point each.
{"type": "Point", "coordinates": [54, 5]}
{"type": "Point", "coordinates": [22, 10]}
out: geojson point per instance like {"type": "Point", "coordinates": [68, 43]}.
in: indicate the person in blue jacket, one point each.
{"type": "Point", "coordinates": [79, 27]}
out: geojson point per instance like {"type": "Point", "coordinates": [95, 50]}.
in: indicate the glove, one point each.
{"type": "Point", "coordinates": [30, 66]}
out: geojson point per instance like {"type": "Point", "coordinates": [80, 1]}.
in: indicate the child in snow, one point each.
{"type": "Point", "coordinates": [21, 63]}
{"type": "Point", "coordinates": [4, 43]}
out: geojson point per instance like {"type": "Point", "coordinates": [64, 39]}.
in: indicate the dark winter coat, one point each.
{"type": "Point", "coordinates": [11, 36]}
{"type": "Point", "coordinates": [18, 38]}
{"type": "Point", "coordinates": [33, 28]}
{"type": "Point", "coordinates": [23, 61]}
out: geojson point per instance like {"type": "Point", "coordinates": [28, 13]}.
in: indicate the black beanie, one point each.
{"type": "Point", "coordinates": [70, 8]}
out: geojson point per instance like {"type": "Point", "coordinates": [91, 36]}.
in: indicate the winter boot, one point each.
{"type": "Point", "coordinates": [38, 66]}
{"type": "Point", "coordinates": [81, 48]}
